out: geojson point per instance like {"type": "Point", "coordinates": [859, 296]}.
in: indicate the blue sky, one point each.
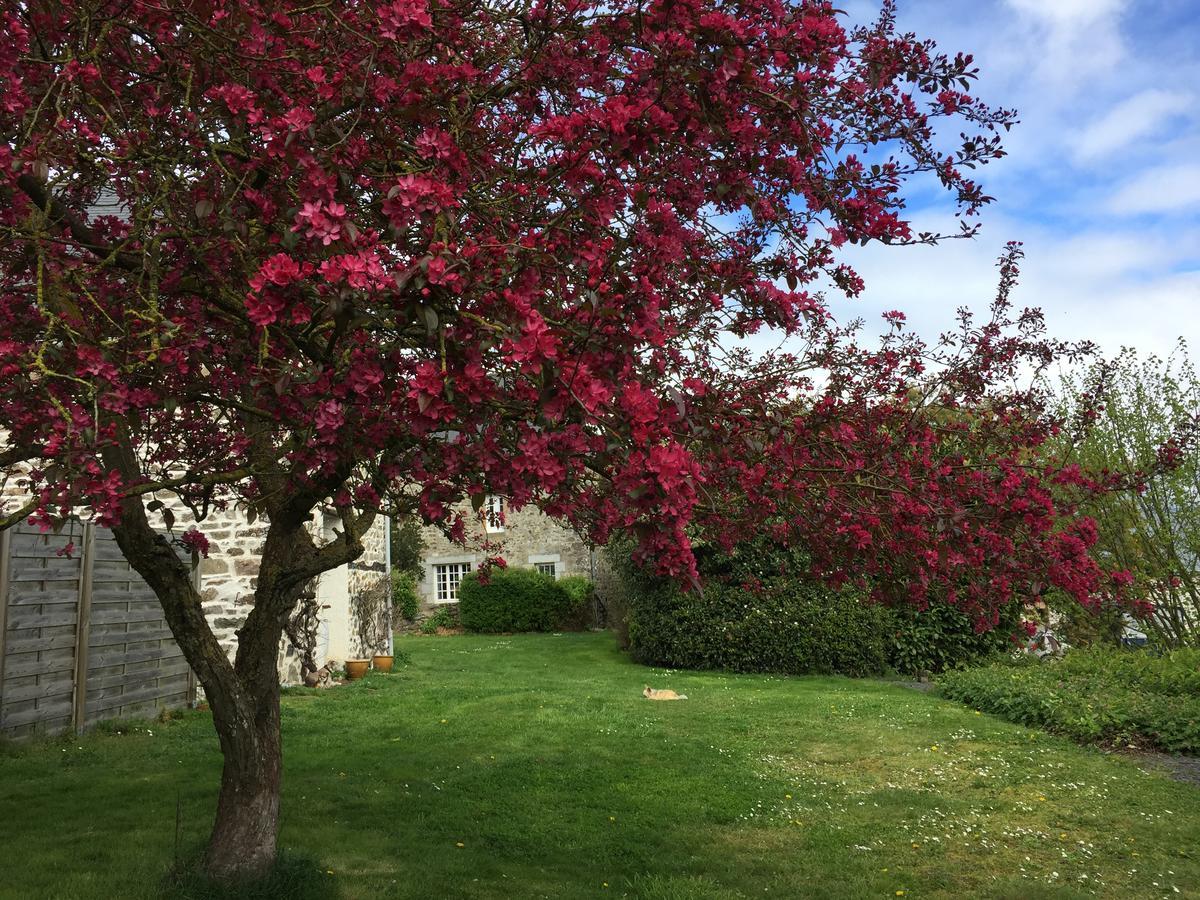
{"type": "Point", "coordinates": [1102, 181]}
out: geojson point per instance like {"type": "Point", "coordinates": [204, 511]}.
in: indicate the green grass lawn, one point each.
{"type": "Point", "coordinates": [530, 766]}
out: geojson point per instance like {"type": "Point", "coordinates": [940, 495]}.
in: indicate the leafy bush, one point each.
{"type": "Point", "coordinates": [940, 638]}
{"type": "Point", "coordinates": [443, 618]}
{"type": "Point", "coordinates": [579, 587]}
{"type": "Point", "coordinates": [517, 599]}
{"type": "Point", "coordinates": [1095, 695]}
{"type": "Point", "coordinates": [582, 592]}
{"type": "Point", "coordinates": [404, 594]}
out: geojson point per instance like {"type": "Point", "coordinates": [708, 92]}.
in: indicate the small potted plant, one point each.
{"type": "Point", "coordinates": [382, 662]}
{"type": "Point", "coordinates": [356, 668]}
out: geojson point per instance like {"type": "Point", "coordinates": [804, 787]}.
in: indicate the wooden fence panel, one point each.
{"type": "Point", "coordinates": [135, 665]}
{"type": "Point", "coordinates": [37, 684]}
{"type": "Point", "coordinates": [82, 637]}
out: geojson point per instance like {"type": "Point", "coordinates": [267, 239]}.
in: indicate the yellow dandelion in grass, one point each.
{"type": "Point", "coordinates": [443, 721]}
{"type": "Point", "coordinates": [787, 796]}
{"type": "Point", "coordinates": [604, 884]}
{"type": "Point", "coordinates": [1041, 799]}
{"type": "Point", "coordinates": [459, 844]}
{"type": "Point", "coordinates": [915, 845]}
{"type": "Point", "coordinates": [978, 713]}
{"type": "Point", "coordinates": [329, 871]}
{"type": "Point", "coordinates": [612, 818]}
{"type": "Point", "coordinates": [899, 893]}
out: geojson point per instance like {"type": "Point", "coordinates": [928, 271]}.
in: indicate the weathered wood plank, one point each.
{"type": "Point", "coordinates": [165, 676]}
{"type": "Point", "coordinates": [55, 571]}
{"type": "Point", "coordinates": [42, 690]}
{"type": "Point", "coordinates": [130, 709]}
{"type": "Point", "coordinates": [83, 626]}
{"type": "Point", "coordinates": [20, 619]}
{"type": "Point", "coordinates": [5, 546]}
{"type": "Point", "coordinates": [55, 544]}
{"type": "Point", "coordinates": [52, 718]}
{"type": "Point", "coordinates": [168, 683]}
{"type": "Point", "coordinates": [121, 616]}
{"type": "Point", "coordinates": [125, 656]}
{"type": "Point", "coordinates": [57, 596]}
{"type": "Point", "coordinates": [110, 637]}
{"type": "Point", "coordinates": [61, 640]}
{"type": "Point", "coordinates": [106, 599]}
{"type": "Point", "coordinates": [25, 665]}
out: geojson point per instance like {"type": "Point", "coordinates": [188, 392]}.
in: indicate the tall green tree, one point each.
{"type": "Point", "coordinates": [1148, 409]}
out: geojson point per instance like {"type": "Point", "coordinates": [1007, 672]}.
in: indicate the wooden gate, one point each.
{"type": "Point", "coordinates": [82, 637]}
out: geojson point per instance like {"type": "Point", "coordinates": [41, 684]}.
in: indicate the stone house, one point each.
{"type": "Point", "coordinates": [227, 581]}
{"type": "Point", "coordinates": [525, 538]}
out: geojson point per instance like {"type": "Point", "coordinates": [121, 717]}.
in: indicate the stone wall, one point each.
{"type": "Point", "coordinates": [370, 586]}
{"type": "Point", "coordinates": [529, 536]}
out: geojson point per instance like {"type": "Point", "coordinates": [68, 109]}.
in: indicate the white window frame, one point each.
{"type": "Point", "coordinates": [447, 576]}
{"type": "Point", "coordinates": [547, 568]}
{"type": "Point", "coordinates": [547, 559]}
{"type": "Point", "coordinates": [493, 513]}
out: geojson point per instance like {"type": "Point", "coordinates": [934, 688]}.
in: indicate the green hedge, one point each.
{"type": "Point", "coordinates": [760, 611]}
{"type": "Point", "coordinates": [793, 630]}
{"type": "Point", "coordinates": [515, 599]}
{"type": "Point", "coordinates": [1094, 695]}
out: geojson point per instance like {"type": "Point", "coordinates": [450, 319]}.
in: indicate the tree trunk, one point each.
{"type": "Point", "coordinates": [244, 693]}
{"type": "Point", "coordinates": [244, 835]}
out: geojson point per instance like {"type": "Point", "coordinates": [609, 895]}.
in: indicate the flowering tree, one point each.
{"type": "Point", "coordinates": [389, 255]}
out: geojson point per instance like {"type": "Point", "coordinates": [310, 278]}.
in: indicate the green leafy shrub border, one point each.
{"type": "Point", "coordinates": [1104, 696]}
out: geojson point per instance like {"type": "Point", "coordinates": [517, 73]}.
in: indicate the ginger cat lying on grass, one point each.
{"type": "Point", "coordinates": [651, 694]}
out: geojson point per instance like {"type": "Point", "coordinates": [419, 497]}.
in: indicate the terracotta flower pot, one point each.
{"type": "Point", "coordinates": [382, 663]}
{"type": "Point", "coordinates": [356, 668]}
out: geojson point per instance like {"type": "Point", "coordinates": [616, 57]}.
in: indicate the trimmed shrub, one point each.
{"type": "Point", "coordinates": [516, 599]}
{"type": "Point", "coordinates": [791, 629]}
{"type": "Point", "coordinates": [1094, 695]}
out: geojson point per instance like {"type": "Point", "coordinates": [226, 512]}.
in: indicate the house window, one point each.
{"type": "Point", "coordinates": [547, 568]}
{"type": "Point", "coordinates": [447, 577]}
{"type": "Point", "coordinates": [493, 514]}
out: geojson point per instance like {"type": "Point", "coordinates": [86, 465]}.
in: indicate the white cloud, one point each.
{"type": "Point", "coordinates": [1064, 48]}
{"type": "Point", "coordinates": [1136, 117]}
{"type": "Point", "coordinates": [1068, 13]}
{"type": "Point", "coordinates": [1165, 189]}
{"type": "Point", "coordinates": [1118, 286]}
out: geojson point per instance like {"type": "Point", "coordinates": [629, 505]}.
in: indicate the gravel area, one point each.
{"type": "Point", "coordinates": [1180, 768]}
